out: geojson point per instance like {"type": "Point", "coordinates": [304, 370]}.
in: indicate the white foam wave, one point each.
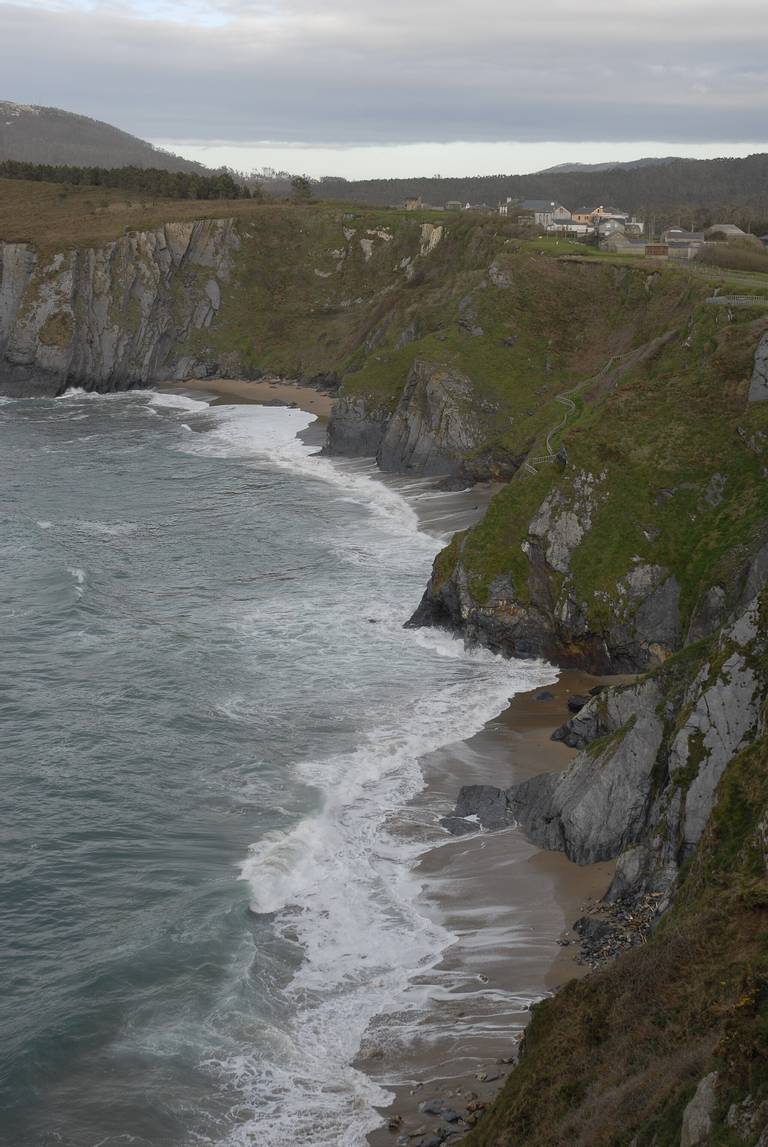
{"type": "Point", "coordinates": [79, 394]}
{"type": "Point", "coordinates": [344, 887]}
{"type": "Point", "coordinates": [177, 401]}
{"type": "Point", "coordinates": [242, 431]}
{"type": "Point", "coordinates": [78, 575]}
{"type": "Point", "coordinates": [339, 882]}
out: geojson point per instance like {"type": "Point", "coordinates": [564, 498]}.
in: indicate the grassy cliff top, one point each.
{"type": "Point", "coordinates": [57, 217]}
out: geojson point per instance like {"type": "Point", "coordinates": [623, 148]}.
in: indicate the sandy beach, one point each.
{"type": "Point", "coordinates": [507, 901]}
{"type": "Point", "coordinates": [273, 391]}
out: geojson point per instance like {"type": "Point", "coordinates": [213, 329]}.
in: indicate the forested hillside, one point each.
{"type": "Point", "coordinates": [696, 190]}
{"type": "Point", "coordinates": [137, 180]}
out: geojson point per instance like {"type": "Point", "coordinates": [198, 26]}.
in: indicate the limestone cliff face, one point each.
{"type": "Point", "coordinates": [435, 428]}
{"type": "Point", "coordinates": [357, 427]}
{"type": "Point", "coordinates": [645, 784]}
{"type": "Point", "coordinates": [438, 428]}
{"type": "Point", "coordinates": [111, 317]}
{"type": "Point", "coordinates": [642, 628]}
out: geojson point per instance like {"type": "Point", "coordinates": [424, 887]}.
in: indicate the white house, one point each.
{"type": "Point", "coordinates": [544, 211]}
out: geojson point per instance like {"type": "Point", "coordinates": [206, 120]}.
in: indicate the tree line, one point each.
{"type": "Point", "coordinates": [688, 192]}
{"type": "Point", "coordinates": [152, 181]}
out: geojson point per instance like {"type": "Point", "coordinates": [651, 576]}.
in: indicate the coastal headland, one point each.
{"type": "Point", "coordinates": [625, 420]}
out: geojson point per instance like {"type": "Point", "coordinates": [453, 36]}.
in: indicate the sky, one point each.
{"type": "Point", "coordinates": [370, 88]}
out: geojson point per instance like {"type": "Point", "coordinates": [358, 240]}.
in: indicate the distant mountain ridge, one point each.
{"type": "Point", "coordinates": [625, 165]}
{"type": "Point", "coordinates": [49, 135]}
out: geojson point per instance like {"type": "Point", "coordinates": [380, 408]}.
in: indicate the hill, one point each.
{"type": "Point", "coordinates": [625, 165]}
{"type": "Point", "coordinates": [50, 135]}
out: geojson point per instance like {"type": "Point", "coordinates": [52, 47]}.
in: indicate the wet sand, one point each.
{"type": "Point", "coordinates": [507, 901]}
{"type": "Point", "coordinates": [263, 391]}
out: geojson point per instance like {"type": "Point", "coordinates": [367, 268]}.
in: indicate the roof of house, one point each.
{"type": "Point", "coordinates": [726, 228]}
{"type": "Point", "coordinates": [681, 233]}
{"type": "Point", "coordinates": [538, 205]}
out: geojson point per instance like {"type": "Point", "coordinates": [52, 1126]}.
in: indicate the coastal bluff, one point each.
{"type": "Point", "coordinates": [625, 423]}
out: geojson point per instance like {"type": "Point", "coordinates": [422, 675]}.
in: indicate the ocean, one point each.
{"type": "Point", "coordinates": [213, 721]}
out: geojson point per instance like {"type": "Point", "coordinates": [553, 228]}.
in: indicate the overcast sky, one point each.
{"type": "Point", "coordinates": [377, 87]}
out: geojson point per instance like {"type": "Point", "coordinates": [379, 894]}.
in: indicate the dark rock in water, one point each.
{"type": "Point", "coordinates": [577, 702]}
{"type": "Point", "coordinates": [596, 690]}
{"type": "Point", "coordinates": [454, 483]}
{"type": "Point", "coordinates": [458, 826]}
{"type": "Point", "coordinates": [356, 428]}
{"type": "Point", "coordinates": [488, 804]}
{"type": "Point", "coordinates": [432, 1106]}
{"type": "Point", "coordinates": [449, 1115]}
{"type": "Point", "coordinates": [545, 696]}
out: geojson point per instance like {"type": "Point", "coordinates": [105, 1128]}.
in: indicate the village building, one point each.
{"type": "Point", "coordinates": [610, 226]}
{"type": "Point", "coordinates": [570, 230]}
{"type": "Point", "coordinates": [724, 231]}
{"type": "Point", "coordinates": [542, 211]}
{"type": "Point", "coordinates": [413, 203]}
{"type": "Point", "coordinates": [619, 244]}
{"type": "Point", "coordinates": [680, 235]}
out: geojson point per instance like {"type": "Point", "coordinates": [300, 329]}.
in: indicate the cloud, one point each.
{"type": "Point", "coordinates": [368, 73]}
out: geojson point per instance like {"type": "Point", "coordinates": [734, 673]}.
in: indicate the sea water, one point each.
{"type": "Point", "coordinates": [211, 714]}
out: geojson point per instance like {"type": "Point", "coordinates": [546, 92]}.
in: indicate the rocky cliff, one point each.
{"type": "Point", "coordinates": [115, 316]}
{"type": "Point", "coordinates": [298, 293]}
{"type": "Point", "coordinates": [645, 783]}
{"type": "Point", "coordinates": [646, 530]}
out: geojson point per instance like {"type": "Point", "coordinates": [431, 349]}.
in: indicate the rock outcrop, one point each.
{"type": "Point", "coordinates": [697, 1117]}
{"type": "Point", "coordinates": [758, 387]}
{"type": "Point", "coordinates": [434, 428]}
{"type": "Point", "coordinates": [357, 427]}
{"type": "Point", "coordinates": [642, 630]}
{"type": "Point", "coordinates": [645, 785]}
{"type": "Point", "coordinates": [439, 427]}
{"type": "Point", "coordinates": [112, 317]}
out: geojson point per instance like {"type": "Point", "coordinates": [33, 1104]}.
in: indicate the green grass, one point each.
{"type": "Point", "coordinates": [660, 433]}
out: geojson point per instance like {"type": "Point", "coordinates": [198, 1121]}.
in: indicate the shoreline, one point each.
{"type": "Point", "coordinates": [507, 902]}
{"type": "Point", "coordinates": [266, 392]}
